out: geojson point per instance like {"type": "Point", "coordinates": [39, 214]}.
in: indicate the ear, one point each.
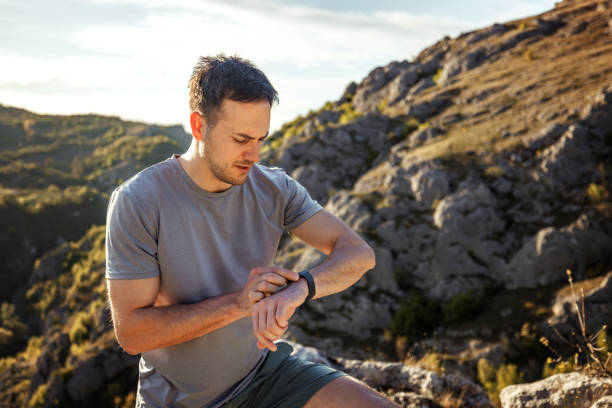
{"type": "Point", "coordinates": [197, 124]}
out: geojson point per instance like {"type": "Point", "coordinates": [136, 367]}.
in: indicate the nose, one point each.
{"type": "Point", "coordinates": [252, 153]}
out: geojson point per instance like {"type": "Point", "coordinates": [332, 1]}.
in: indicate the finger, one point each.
{"type": "Point", "coordinates": [255, 296]}
{"type": "Point", "coordinates": [261, 335]}
{"type": "Point", "coordinates": [274, 278]}
{"type": "Point", "coordinates": [255, 318]}
{"type": "Point", "coordinates": [261, 341]}
{"type": "Point", "coordinates": [271, 317]}
{"type": "Point", "coordinates": [287, 273]}
{"type": "Point", "coordinates": [265, 287]}
{"type": "Point", "coordinates": [281, 316]}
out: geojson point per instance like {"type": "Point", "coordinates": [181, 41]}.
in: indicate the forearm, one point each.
{"type": "Point", "coordinates": [344, 266]}
{"type": "Point", "coordinates": [153, 327]}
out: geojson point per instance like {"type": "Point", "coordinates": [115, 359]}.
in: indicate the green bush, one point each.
{"type": "Point", "coordinates": [416, 317]}
{"type": "Point", "coordinates": [462, 307]}
{"type": "Point", "coordinates": [494, 379]}
{"type": "Point", "coordinates": [80, 328]}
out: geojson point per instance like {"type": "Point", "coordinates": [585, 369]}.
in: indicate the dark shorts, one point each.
{"type": "Point", "coordinates": [283, 381]}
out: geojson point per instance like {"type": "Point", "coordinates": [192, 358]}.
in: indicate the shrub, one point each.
{"type": "Point", "coordinates": [596, 193]}
{"type": "Point", "coordinates": [462, 307]}
{"type": "Point", "coordinates": [415, 317]}
{"type": "Point", "coordinates": [39, 397]}
{"type": "Point", "coordinates": [495, 379]}
{"type": "Point", "coordinates": [436, 77]}
{"type": "Point", "coordinates": [552, 366]}
{"type": "Point", "coordinates": [80, 328]}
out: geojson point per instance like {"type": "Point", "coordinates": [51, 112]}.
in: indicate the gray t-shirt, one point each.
{"type": "Point", "coordinates": [200, 244]}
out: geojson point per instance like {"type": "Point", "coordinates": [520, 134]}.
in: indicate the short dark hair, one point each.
{"type": "Point", "coordinates": [215, 78]}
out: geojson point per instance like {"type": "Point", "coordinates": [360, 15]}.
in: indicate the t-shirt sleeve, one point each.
{"type": "Point", "coordinates": [299, 205]}
{"type": "Point", "coordinates": [131, 239]}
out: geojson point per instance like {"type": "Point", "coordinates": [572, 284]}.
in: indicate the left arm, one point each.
{"type": "Point", "coordinates": [349, 257]}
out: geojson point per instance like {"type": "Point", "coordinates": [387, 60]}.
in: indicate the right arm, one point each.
{"type": "Point", "coordinates": [141, 324]}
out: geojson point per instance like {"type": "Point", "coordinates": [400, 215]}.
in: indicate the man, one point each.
{"type": "Point", "coordinates": [190, 244]}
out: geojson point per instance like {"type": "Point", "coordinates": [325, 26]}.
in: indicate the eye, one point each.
{"type": "Point", "coordinates": [241, 141]}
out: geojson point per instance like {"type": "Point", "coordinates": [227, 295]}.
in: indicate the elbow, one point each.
{"type": "Point", "coordinates": [369, 257]}
{"type": "Point", "coordinates": [126, 343]}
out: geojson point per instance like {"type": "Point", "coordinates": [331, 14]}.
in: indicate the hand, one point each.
{"type": "Point", "coordinates": [271, 314]}
{"type": "Point", "coordinates": [263, 281]}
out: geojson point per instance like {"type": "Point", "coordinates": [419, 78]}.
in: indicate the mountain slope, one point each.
{"type": "Point", "coordinates": [479, 172]}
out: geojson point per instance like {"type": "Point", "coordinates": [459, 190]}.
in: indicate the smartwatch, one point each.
{"type": "Point", "coordinates": [311, 285]}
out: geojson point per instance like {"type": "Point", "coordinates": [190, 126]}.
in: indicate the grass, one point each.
{"type": "Point", "coordinates": [593, 353]}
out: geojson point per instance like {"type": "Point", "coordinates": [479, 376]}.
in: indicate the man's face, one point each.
{"type": "Point", "coordinates": [233, 145]}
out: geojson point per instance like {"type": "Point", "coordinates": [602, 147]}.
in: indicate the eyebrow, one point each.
{"type": "Point", "coordinates": [251, 137]}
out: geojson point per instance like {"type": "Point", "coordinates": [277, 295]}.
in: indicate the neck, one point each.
{"type": "Point", "coordinates": [196, 166]}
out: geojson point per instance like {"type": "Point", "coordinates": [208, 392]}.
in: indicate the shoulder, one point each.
{"type": "Point", "coordinates": [144, 186]}
{"type": "Point", "coordinates": [270, 178]}
{"type": "Point", "coordinates": [147, 181]}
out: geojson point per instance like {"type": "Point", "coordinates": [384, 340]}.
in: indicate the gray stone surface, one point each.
{"type": "Point", "coordinates": [561, 390]}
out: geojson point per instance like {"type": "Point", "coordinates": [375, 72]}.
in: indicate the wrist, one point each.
{"type": "Point", "coordinates": [242, 309]}
{"type": "Point", "coordinates": [310, 284]}
{"type": "Point", "coordinates": [303, 287]}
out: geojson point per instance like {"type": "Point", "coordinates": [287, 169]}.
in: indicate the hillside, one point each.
{"type": "Point", "coordinates": [480, 171]}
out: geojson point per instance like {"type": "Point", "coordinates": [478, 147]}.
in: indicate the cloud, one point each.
{"type": "Point", "coordinates": [139, 68]}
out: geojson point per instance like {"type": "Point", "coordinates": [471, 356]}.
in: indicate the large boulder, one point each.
{"type": "Point", "coordinates": [561, 390]}
{"type": "Point", "coordinates": [568, 164]}
{"type": "Point", "coordinates": [544, 258]}
{"type": "Point", "coordinates": [468, 255]}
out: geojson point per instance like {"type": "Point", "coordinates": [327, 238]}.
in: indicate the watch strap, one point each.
{"type": "Point", "coordinates": [310, 281]}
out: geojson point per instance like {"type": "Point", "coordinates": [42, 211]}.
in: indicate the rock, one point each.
{"type": "Point", "coordinates": [383, 276]}
{"type": "Point", "coordinates": [544, 137]}
{"type": "Point", "coordinates": [568, 163]}
{"type": "Point", "coordinates": [412, 400]}
{"type": "Point", "coordinates": [544, 258]}
{"type": "Point", "coordinates": [419, 137]}
{"type": "Point", "coordinates": [421, 86]}
{"type": "Point", "coordinates": [87, 378]}
{"type": "Point", "coordinates": [468, 221]}
{"type": "Point", "coordinates": [477, 36]}
{"type": "Point", "coordinates": [461, 63]}
{"type": "Point", "coordinates": [576, 28]}
{"type": "Point", "coordinates": [604, 402]}
{"type": "Point", "coordinates": [429, 185]}
{"type": "Point", "coordinates": [354, 312]}
{"type": "Point", "coordinates": [422, 111]}
{"type": "Point", "coordinates": [414, 379]}
{"type": "Point", "coordinates": [350, 209]}
{"type": "Point", "coordinates": [314, 178]}
{"type": "Point", "coordinates": [400, 86]}
{"type": "Point", "coordinates": [561, 390]}
{"type": "Point", "coordinates": [367, 96]}
{"type": "Point", "coordinates": [598, 115]}
{"type": "Point", "coordinates": [49, 265]}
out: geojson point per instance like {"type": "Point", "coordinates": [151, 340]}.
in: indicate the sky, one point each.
{"type": "Point", "coordinates": [133, 58]}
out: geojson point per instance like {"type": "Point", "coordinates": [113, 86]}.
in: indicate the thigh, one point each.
{"type": "Point", "coordinates": [284, 381]}
{"type": "Point", "coordinates": [350, 393]}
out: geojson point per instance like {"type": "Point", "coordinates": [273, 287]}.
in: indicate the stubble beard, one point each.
{"type": "Point", "coordinates": [223, 174]}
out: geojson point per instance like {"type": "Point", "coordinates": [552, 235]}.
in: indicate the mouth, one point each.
{"type": "Point", "coordinates": [244, 169]}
